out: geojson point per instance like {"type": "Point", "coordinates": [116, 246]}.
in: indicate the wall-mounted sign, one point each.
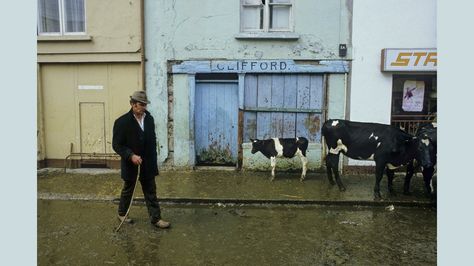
{"type": "Point", "coordinates": [413, 96]}
{"type": "Point", "coordinates": [260, 66]}
{"type": "Point", "coordinates": [252, 66]}
{"type": "Point", "coordinates": [90, 87]}
{"type": "Point", "coordinates": [411, 60]}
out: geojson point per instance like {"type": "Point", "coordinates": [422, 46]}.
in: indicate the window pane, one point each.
{"type": "Point", "coordinates": [279, 17]}
{"type": "Point", "coordinates": [74, 15]}
{"type": "Point", "coordinates": [252, 18]}
{"type": "Point", "coordinates": [48, 15]}
{"type": "Point", "coordinates": [280, 1]}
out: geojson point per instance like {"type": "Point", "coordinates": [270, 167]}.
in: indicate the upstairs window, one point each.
{"type": "Point", "coordinates": [266, 15]}
{"type": "Point", "coordinates": [61, 17]}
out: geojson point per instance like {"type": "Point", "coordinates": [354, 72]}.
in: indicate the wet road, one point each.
{"type": "Point", "coordinates": [82, 233]}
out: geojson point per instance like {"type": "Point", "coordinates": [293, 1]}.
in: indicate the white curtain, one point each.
{"type": "Point", "coordinates": [74, 15]}
{"type": "Point", "coordinates": [48, 16]}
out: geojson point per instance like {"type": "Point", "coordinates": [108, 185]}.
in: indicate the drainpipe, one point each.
{"type": "Point", "coordinates": [142, 42]}
{"type": "Point", "coordinates": [41, 147]}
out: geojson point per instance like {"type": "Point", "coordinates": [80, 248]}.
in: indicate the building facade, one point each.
{"type": "Point", "coordinates": [393, 76]}
{"type": "Point", "coordinates": [90, 59]}
{"type": "Point", "coordinates": [222, 72]}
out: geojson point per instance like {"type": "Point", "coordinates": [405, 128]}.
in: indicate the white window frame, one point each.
{"type": "Point", "coordinates": [62, 26]}
{"type": "Point", "coordinates": [266, 16]}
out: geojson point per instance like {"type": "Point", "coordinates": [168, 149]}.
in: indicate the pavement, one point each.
{"type": "Point", "coordinates": [211, 186]}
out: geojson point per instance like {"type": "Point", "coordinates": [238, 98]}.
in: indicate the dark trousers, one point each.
{"type": "Point", "coordinates": [149, 191]}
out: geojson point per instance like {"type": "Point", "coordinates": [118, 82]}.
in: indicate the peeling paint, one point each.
{"type": "Point", "coordinates": [259, 54]}
{"type": "Point", "coordinates": [216, 154]}
{"type": "Point", "coordinates": [313, 123]}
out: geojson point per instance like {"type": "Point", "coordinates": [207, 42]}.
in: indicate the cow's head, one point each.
{"type": "Point", "coordinates": [403, 142]}
{"type": "Point", "coordinates": [426, 151]}
{"type": "Point", "coordinates": [256, 145]}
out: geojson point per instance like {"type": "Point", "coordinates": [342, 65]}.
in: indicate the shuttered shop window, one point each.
{"type": "Point", "coordinates": [283, 106]}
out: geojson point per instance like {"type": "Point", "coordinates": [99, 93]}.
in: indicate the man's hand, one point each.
{"type": "Point", "coordinates": [137, 160]}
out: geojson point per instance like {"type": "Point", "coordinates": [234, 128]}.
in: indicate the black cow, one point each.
{"type": "Point", "coordinates": [389, 146]}
{"type": "Point", "coordinates": [425, 157]}
{"type": "Point", "coordinates": [282, 147]}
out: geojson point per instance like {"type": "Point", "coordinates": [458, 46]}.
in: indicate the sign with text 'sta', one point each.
{"type": "Point", "coordinates": [409, 60]}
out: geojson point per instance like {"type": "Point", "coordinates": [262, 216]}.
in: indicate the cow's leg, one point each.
{"type": "Point", "coordinates": [379, 167]}
{"type": "Point", "coordinates": [408, 176]}
{"type": "Point", "coordinates": [428, 178]}
{"type": "Point", "coordinates": [334, 163]}
{"type": "Point", "coordinates": [273, 164]}
{"type": "Point", "coordinates": [330, 158]}
{"type": "Point", "coordinates": [338, 180]}
{"type": "Point", "coordinates": [304, 162]}
{"type": "Point", "coordinates": [390, 175]}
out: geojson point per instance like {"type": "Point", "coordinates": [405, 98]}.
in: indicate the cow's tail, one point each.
{"type": "Point", "coordinates": [324, 131]}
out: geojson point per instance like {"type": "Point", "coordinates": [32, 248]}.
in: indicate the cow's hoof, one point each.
{"type": "Point", "coordinates": [302, 179]}
{"type": "Point", "coordinates": [377, 197]}
{"type": "Point", "coordinates": [271, 179]}
{"type": "Point", "coordinates": [431, 196]}
{"type": "Point", "coordinates": [342, 189]}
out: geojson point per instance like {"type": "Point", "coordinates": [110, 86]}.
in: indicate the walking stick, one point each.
{"type": "Point", "coordinates": [130, 205]}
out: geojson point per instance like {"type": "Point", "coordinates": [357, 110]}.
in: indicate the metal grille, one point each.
{"type": "Point", "coordinates": [410, 123]}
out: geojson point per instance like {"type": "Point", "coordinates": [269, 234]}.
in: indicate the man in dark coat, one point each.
{"type": "Point", "coordinates": [134, 139]}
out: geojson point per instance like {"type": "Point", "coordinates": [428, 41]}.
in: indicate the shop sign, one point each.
{"type": "Point", "coordinates": [409, 60]}
{"type": "Point", "coordinates": [252, 66]}
{"type": "Point", "coordinates": [261, 66]}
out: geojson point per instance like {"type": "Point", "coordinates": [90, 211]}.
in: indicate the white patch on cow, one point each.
{"type": "Point", "coordinates": [431, 185]}
{"type": "Point", "coordinates": [273, 164]}
{"type": "Point", "coordinates": [373, 136]}
{"type": "Point", "coordinates": [334, 123]}
{"type": "Point", "coordinates": [298, 152]}
{"type": "Point", "coordinates": [426, 142]}
{"type": "Point", "coordinates": [434, 124]}
{"type": "Point", "coordinates": [371, 157]}
{"type": "Point", "coordinates": [391, 166]}
{"type": "Point", "coordinates": [278, 147]}
{"type": "Point", "coordinates": [304, 163]}
{"type": "Point", "coordinates": [378, 144]}
{"type": "Point", "coordinates": [340, 146]}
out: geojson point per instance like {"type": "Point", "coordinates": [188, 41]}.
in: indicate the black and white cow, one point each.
{"type": "Point", "coordinates": [389, 146]}
{"type": "Point", "coordinates": [425, 157]}
{"type": "Point", "coordinates": [282, 147]}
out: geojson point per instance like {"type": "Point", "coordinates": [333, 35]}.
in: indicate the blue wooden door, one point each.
{"type": "Point", "coordinates": [216, 122]}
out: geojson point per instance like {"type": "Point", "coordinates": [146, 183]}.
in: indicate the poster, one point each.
{"type": "Point", "coordinates": [413, 95]}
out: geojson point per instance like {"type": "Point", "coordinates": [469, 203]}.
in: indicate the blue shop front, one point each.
{"type": "Point", "coordinates": [219, 105]}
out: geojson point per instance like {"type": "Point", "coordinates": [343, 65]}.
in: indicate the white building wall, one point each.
{"type": "Point", "coordinates": [378, 25]}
